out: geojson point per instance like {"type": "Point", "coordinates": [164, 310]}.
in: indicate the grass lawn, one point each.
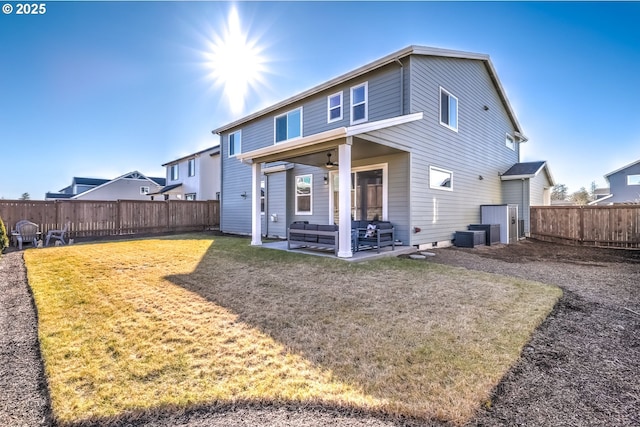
{"type": "Point", "coordinates": [194, 320]}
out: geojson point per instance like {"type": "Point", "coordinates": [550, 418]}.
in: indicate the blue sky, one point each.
{"type": "Point", "coordinates": [99, 89]}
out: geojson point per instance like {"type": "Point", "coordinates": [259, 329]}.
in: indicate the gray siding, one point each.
{"type": "Point", "coordinates": [518, 192]}
{"type": "Point", "coordinates": [276, 204]}
{"type": "Point", "coordinates": [319, 197]}
{"type": "Point", "coordinates": [619, 188]}
{"type": "Point", "coordinates": [477, 149]}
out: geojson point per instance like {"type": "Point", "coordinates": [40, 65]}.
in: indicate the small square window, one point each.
{"type": "Point", "coordinates": [359, 100]}
{"type": "Point", "coordinates": [510, 142]}
{"type": "Point", "coordinates": [440, 179]}
{"type": "Point", "coordinates": [334, 107]}
{"type": "Point", "coordinates": [144, 190]}
{"type": "Point", "coordinates": [448, 110]}
{"type": "Point", "coordinates": [633, 179]}
{"type": "Point", "coordinates": [190, 196]}
{"type": "Point", "coordinates": [235, 143]}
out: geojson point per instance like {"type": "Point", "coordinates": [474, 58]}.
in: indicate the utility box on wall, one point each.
{"type": "Point", "coordinates": [506, 216]}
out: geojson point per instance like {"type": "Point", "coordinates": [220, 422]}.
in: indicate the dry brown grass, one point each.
{"type": "Point", "coordinates": [185, 321]}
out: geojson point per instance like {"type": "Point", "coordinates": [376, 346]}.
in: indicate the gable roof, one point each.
{"type": "Point", "coordinates": [393, 57]}
{"type": "Point", "coordinates": [130, 175]}
{"type": "Point", "coordinates": [621, 169]}
{"type": "Point", "coordinates": [526, 170]}
{"type": "Point", "coordinates": [216, 149]}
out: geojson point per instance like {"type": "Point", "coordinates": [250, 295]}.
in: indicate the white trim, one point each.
{"type": "Point", "coordinates": [275, 118]}
{"type": "Point", "coordinates": [439, 187]}
{"type": "Point", "coordinates": [450, 95]}
{"type": "Point", "coordinates": [239, 132]}
{"type": "Point", "coordinates": [277, 168]}
{"type": "Point", "coordinates": [637, 181]}
{"type": "Point", "coordinates": [510, 142]}
{"type": "Point", "coordinates": [365, 103]}
{"type": "Point", "coordinates": [329, 108]}
{"type": "Point", "coordinates": [329, 135]}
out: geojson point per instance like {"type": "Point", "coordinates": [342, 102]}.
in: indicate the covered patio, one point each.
{"type": "Point", "coordinates": [333, 148]}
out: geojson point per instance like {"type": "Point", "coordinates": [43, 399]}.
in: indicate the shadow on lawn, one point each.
{"type": "Point", "coordinates": [309, 306]}
{"type": "Point", "coordinates": [348, 320]}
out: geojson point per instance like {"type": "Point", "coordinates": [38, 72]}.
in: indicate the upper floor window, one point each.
{"type": "Point", "coordinates": [633, 179]}
{"type": "Point", "coordinates": [440, 179]}
{"type": "Point", "coordinates": [235, 143]}
{"type": "Point", "coordinates": [288, 125]}
{"type": "Point", "coordinates": [173, 172]}
{"type": "Point", "coordinates": [510, 142]}
{"type": "Point", "coordinates": [448, 110]}
{"type": "Point", "coordinates": [334, 107]}
{"type": "Point", "coordinates": [359, 103]}
{"type": "Point", "coordinates": [192, 167]}
{"type": "Point", "coordinates": [144, 190]}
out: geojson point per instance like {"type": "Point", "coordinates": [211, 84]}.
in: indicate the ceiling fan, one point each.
{"type": "Point", "coordinates": [329, 163]}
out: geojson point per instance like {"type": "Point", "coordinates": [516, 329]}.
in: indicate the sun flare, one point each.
{"type": "Point", "coordinates": [236, 62]}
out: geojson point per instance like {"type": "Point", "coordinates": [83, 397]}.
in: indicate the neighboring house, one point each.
{"type": "Point", "coordinates": [192, 177]}
{"type": "Point", "coordinates": [130, 186]}
{"type": "Point", "coordinates": [422, 138]}
{"type": "Point", "coordinates": [624, 186]}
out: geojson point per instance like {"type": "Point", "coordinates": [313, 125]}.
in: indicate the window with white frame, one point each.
{"type": "Point", "coordinates": [190, 196]}
{"type": "Point", "coordinates": [334, 107]}
{"type": "Point", "coordinates": [304, 194]}
{"type": "Point", "coordinates": [633, 179]}
{"type": "Point", "coordinates": [144, 190]}
{"type": "Point", "coordinates": [262, 196]}
{"type": "Point", "coordinates": [173, 172]}
{"type": "Point", "coordinates": [510, 142]}
{"type": "Point", "coordinates": [191, 166]}
{"type": "Point", "coordinates": [440, 179]}
{"type": "Point", "coordinates": [359, 103]}
{"type": "Point", "coordinates": [448, 110]}
{"type": "Point", "coordinates": [235, 143]}
{"type": "Point", "coordinates": [288, 125]}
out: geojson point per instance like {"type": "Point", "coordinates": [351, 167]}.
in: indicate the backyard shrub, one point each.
{"type": "Point", "coordinates": [4, 239]}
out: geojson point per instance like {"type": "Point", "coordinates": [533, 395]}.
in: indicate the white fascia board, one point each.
{"type": "Point", "coordinates": [595, 202]}
{"type": "Point", "coordinates": [278, 168]}
{"type": "Point", "coordinates": [282, 147]}
{"type": "Point", "coordinates": [621, 169]}
{"type": "Point", "coordinates": [381, 124]}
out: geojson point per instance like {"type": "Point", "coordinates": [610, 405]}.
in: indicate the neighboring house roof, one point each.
{"type": "Point", "coordinates": [130, 175]}
{"type": "Point", "coordinates": [599, 200]}
{"type": "Point", "coordinates": [166, 189]}
{"type": "Point", "coordinates": [620, 169]}
{"type": "Point", "coordinates": [215, 147]}
{"type": "Point", "coordinates": [159, 181]}
{"type": "Point", "coordinates": [410, 50]}
{"type": "Point", "coordinates": [88, 181]}
{"type": "Point", "coordinates": [525, 170]}
{"type": "Point", "coordinates": [49, 195]}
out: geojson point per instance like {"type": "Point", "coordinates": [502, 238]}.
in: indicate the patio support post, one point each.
{"type": "Point", "coordinates": [344, 197]}
{"type": "Point", "coordinates": [256, 220]}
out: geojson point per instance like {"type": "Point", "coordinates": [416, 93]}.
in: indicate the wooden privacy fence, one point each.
{"type": "Point", "coordinates": [612, 226]}
{"type": "Point", "coordinates": [111, 218]}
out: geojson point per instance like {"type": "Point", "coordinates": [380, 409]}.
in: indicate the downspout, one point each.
{"type": "Point", "coordinates": [401, 86]}
{"type": "Point", "coordinates": [522, 210]}
{"type": "Point", "coordinates": [266, 216]}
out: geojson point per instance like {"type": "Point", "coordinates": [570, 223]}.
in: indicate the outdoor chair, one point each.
{"type": "Point", "coordinates": [57, 234]}
{"type": "Point", "coordinates": [27, 233]}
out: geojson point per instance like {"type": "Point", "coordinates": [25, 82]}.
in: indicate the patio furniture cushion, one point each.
{"type": "Point", "coordinates": [327, 239]}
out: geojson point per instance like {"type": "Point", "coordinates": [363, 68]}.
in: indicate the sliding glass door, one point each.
{"type": "Point", "coordinates": [368, 193]}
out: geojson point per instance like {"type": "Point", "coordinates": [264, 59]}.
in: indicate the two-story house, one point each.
{"type": "Point", "coordinates": [624, 186]}
{"type": "Point", "coordinates": [422, 138]}
{"type": "Point", "coordinates": [192, 177]}
{"type": "Point", "coordinates": [130, 186]}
